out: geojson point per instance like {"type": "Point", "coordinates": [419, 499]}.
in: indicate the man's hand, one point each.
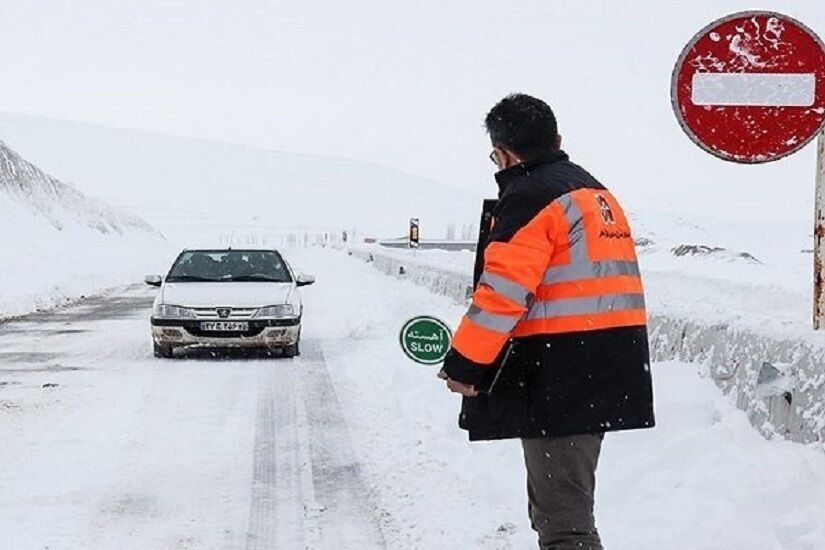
{"type": "Point", "coordinates": [467, 390]}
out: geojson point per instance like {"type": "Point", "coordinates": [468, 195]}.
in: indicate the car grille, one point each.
{"type": "Point", "coordinates": [253, 331]}
{"type": "Point", "coordinates": [235, 313]}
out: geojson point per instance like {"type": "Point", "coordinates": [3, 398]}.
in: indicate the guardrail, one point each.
{"type": "Point", "coordinates": [431, 245]}
{"type": "Point", "coordinates": [779, 383]}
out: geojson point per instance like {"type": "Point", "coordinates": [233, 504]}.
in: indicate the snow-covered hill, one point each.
{"type": "Point", "coordinates": [56, 202]}
{"type": "Point", "coordinates": [197, 191]}
{"type": "Point", "coordinates": [58, 243]}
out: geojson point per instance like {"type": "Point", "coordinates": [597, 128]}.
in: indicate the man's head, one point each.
{"type": "Point", "coordinates": [521, 128]}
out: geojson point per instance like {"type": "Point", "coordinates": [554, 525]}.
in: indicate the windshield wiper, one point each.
{"type": "Point", "coordinates": [253, 278]}
{"type": "Point", "coordinates": [195, 278]}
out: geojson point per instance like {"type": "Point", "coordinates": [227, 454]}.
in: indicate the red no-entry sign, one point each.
{"type": "Point", "coordinates": [750, 87]}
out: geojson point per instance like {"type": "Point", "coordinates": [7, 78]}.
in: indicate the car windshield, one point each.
{"type": "Point", "coordinates": [230, 265]}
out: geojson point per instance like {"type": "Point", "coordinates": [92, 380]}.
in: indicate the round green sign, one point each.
{"type": "Point", "coordinates": [426, 340]}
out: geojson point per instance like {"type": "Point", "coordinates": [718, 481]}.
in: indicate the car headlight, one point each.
{"type": "Point", "coordinates": [276, 312]}
{"type": "Point", "coordinates": [172, 312]}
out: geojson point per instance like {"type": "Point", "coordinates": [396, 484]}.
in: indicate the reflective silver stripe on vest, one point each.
{"type": "Point", "coordinates": [493, 321]}
{"type": "Point", "coordinates": [506, 287]}
{"type": "Point", "coordinates": [564, 307]}
{"type": "Point", "coordinates": [575, 234]}
{"type": "Point", "coordinates": [590, 270]}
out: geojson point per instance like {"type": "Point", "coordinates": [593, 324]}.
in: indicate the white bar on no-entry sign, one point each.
{"type": "Point", "coordinates": [754, 89]}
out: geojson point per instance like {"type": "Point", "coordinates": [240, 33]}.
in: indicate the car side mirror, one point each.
{"type": "Point", "coordinates": [304, 280]}
{"type": "Point", "coordinates": [153, 280]}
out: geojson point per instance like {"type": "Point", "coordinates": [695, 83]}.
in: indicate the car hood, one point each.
{"type": "Point", "coordinates": [192, 294]}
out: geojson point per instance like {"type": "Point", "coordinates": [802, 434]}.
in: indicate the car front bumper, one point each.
{"type": "Point", "coordinates": [266, 333]}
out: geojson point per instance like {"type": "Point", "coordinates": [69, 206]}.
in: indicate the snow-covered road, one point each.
{"type": "Point", "coordinates": [307, 486]}
{"type": "Point", "coordinates": [349, 446]}
{"type": "Point", "coordinates": [107, 447]}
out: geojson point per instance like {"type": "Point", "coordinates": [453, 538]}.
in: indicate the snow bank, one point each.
{"type": "Point", "coordinates": [733, 330]}
{"type": "Point", "coordinates": [59, 244]}
{"type": "Point", "coordinates": [442, 281]}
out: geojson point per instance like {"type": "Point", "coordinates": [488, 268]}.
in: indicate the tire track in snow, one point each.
{"type": "Point", "coordinates": [276, 512]}
{"type": "Point", "coordinates": [261, 532]}
{"type": "Point", "coordinates": [307, 487]}
{"type": "Point", "coordinates": [348, 519]}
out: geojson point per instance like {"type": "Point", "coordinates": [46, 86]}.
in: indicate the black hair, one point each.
{"type": "Point", "coordinates": [523, 124]}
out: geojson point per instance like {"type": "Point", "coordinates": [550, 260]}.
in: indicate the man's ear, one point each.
{"type": "Point", "coordinates": [510, 157]}
{"type": "Point", "coordinates": [558, 141]}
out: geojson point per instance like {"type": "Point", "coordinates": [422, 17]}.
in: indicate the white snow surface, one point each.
{"type": "Point", "coordinates": [60, 244]}
{"type": "Point", "coordinates": [134, 452]}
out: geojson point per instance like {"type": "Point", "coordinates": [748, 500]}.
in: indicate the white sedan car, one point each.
{"type": "Point", "coordinates": [232, 298]}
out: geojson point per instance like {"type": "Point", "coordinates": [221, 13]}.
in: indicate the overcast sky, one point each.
{"type": "Point", "coordinates": [402, 84]}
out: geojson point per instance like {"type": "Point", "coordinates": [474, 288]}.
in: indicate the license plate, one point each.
{"type": "Point", "coordinates": [225, 326]}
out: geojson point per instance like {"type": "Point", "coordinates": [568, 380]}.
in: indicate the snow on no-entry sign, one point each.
{"type": "Point", "coordinates": [750, 87]}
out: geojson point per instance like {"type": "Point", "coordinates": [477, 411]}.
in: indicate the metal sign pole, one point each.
{"type": "Point", "coordinates": [819, 235]}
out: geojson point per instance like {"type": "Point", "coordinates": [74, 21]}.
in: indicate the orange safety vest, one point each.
{"type": "Point", "coordinates": [571, 268]}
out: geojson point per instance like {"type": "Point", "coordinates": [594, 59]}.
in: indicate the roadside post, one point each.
{"type": "Point", "coordinates": [426, 340]}
{"type": "Point", "coordinates": [750, 88]}
{"type": "Point", "coordinates": [414, 233]}
{"type": "Point", "coordinates": [819, 235]}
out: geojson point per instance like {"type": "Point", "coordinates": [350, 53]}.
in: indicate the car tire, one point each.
{"type": "Point", "coordinates": [292, 351]}
{"type": "Point", "coordinates": [164, 352]}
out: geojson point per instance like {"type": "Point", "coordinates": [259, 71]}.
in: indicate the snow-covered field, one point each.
{"type": "Point", "coordinates": [131, 452]}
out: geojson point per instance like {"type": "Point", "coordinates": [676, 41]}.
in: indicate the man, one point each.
{"type": "Point", "coordinates": [554, 348]}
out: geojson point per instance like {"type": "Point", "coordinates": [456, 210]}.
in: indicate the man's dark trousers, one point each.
{"type": "Point", "coordinates": [561, 479]}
